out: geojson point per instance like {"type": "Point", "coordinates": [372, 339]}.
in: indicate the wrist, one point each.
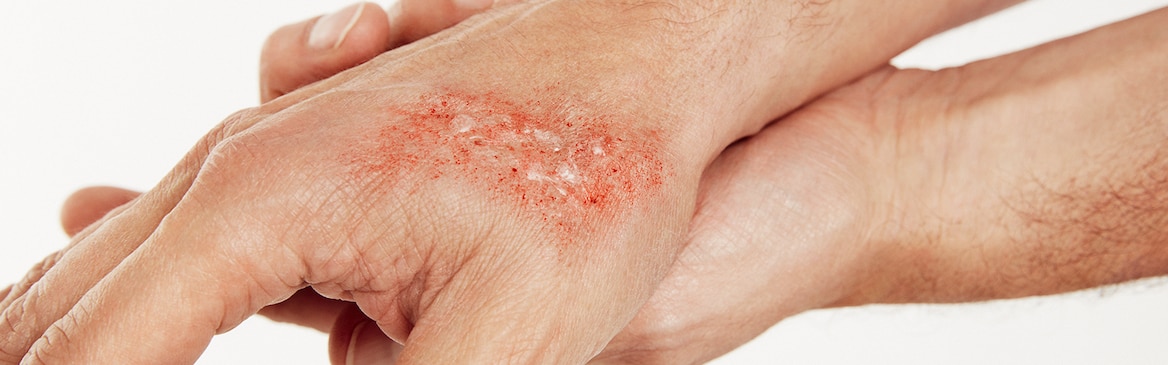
{"type": "Point", "coordinates": [779, 55]}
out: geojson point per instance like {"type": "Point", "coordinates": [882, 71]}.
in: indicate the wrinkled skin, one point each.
{"type": "Point", "coordinates": [546, 267]}
{"type": "Point", "coordinates": [778, 206]}
{"type": "Point", "coordinates": [858, 180]}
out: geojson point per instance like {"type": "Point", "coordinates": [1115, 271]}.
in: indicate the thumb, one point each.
{"type": "Point", "coordinates": [315, 49]}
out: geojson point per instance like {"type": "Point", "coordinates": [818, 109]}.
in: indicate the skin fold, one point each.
{"type": "Point", "coordinates": [237, 205]}
{"type": "Point", "coordinates": [889, 129]}
{"type": "Point", "coordinates": [842, 185]}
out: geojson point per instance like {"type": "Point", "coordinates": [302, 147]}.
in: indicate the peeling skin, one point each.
{"type": "Point", "coordinates": [557, 165]}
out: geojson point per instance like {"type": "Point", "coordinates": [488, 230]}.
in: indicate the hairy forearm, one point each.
{"type": "Point", "coordinates": [1052, 177]}
{"type": "Point", "coordinates": [1101, 215]}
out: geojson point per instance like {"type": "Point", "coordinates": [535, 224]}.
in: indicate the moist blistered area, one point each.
{"type": "Point", "coordinates": [561, 163]}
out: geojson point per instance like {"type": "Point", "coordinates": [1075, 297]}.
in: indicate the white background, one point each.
{"type": "Point", "coordinates": [114, 92]}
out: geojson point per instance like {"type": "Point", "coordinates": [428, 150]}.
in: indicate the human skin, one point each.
{"type": "Point", "coordinates": [818, 217]}
{"type": "Point", "coordinates": [799, 163]}
{"type": "Point", "coordinates": [232, 200]}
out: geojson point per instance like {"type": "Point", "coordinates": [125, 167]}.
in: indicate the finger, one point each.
{"type": "Point", "coordinates": [356, 340]}
{"type": "Point", "coordinates": [412, 20]}
{"type": "Point", "coordinates": [86, 206]}
{"type": "Point", "coordinates": [80, 215]}
{"type": "Point", "coordinates": [35, 274]}
{"type": "Point", "coordinates": [289, 63]}
{"type": "Point", "coordinates": [56, 285]}
{"type": "Point", "coordinates": [197, 276]}
{"type": "Point", "coordinates": [417, 19]}
{"type": "Point", "coordinates": [315, 49]}
{"type": "Point", "coordinates": [309, 309]}
{"type": "Point", "coordinates": [94, 252]}
{"type": "Point", "coordinates": [98, 251]}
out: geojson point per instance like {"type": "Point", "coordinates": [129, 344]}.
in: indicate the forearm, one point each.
{"type": "Point", "coordinates": [1095, 209]}
{"type": "Point", "coordinates": [719, 70]}
{"type": "Point", "coordinates": [1053, 176]}
{"type": "Point", "coordinates": [779, 55]}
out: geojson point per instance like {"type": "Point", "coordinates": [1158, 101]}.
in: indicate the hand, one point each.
{"type": "Point", "coordinates": [290, 61]}
{"type": "Point", "coordinates": [828, 174]}
{"type": "Point", "coordinates": [354, 35]}
{"type": "Point", "coordinates": [463, 249]}
{"type": "Point", "coordinates": [737, 228]}
{"type": "Point", "coordinates": [870, 156]}
{"type": "Point", "coordinates": [802, 165]}
{"type": "Point", "coordinates": [657, 324]}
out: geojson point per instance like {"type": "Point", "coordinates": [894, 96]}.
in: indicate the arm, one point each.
{"type": "Point", "coordinates": [249, 148]}
{"type": "Point", "coordinates": [1051, 177]}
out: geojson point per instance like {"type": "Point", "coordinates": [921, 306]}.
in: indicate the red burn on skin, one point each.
{"type": "Point", "coordinates": [560, 164]}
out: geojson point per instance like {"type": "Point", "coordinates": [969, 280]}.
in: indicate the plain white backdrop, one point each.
{"type": "Point", "coordinates": [114, 92]}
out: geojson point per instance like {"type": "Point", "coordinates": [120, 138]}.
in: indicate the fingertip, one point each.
{"type": "Point", "coordinates": [361, 29]}
{"type": "Point", "coordinates": [307, 308]}
{"type": "Point", "coordinates": [357, 340]}
{"type": "Point", "coordinates": [411, 20]}
{"type": "Point", "coordinates": [369, 33]}
{"type": "Point", "coordinates": [312, 50]}
{"type": "Point", "coordinates": [88, 205]}
{"type": "Point", "coordinates": [189, 258]}
{"type": "Point", "coordinates": [342, 332]}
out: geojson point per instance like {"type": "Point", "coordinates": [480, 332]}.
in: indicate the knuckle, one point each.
{"type": "Point", "coordinates": [33, 276]}
{"type": "Point", "coordinates": [255, 182]}
{"type": "Point", "coordinates": [236, 164]}
{"type": "Point", "coordinates": [19, 321]}
{"type": "Point", "coordinates": [237, 151]}
{"type": "Point", "coordinates": [10, 354]}
{"type": "Point", "coordinates": [48, 348]}
{"type": "Point", "coordinates": [40, 355]}
{"type": "Point", "coordinates": [17, 334]}
{"type": "Point", "coordinates": [234, 124]}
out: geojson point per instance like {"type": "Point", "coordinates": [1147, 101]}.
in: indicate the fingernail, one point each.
{"type": "Point", "coordinates": [473, 4]}
{"type": "Point", "coordinates": [368, 345]}
{"type": "Point", "coordinates": [330, 30]}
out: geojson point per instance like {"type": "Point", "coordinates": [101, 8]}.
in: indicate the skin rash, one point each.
{"type": "Point", "coordinates": [557, 163]}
